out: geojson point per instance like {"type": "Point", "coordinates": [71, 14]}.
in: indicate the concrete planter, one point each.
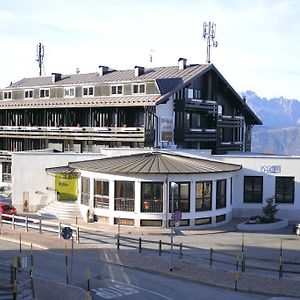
{"type": "Point", "coordinates": [262, 227]}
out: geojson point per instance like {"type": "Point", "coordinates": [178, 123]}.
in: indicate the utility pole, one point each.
{"type": "Point", "coordinates": [209, 31]}
{"type": "Point", "coordinates": [40, 52]}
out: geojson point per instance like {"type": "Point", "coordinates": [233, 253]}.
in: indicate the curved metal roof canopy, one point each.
{"type": "Point", "coordinates": [154, 163]}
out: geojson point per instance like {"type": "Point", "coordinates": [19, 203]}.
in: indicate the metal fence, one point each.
{"type": "Point", "coordinates": [240, 260]}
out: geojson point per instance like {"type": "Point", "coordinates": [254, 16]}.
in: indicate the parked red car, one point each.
{"type": "Point", "coordinates": [6, 208]}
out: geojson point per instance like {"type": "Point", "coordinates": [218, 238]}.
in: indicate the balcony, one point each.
{"type": "Point", "coordinates": [231, 146]}
{"type": "Point", "coordinates": [200, 135]}
{"type": "Point", "coordinates": [230, 121]}
{"type": "Point", "coordinates": [112, 134]}
{"type": "Point", "coordinates": [201, 105]}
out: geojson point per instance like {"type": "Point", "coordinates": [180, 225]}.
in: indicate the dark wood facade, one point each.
{"type": "Point", "coordinates": [207, 112]}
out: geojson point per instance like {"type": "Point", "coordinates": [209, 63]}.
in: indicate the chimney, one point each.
{"type": "Point", "coordinates": [182, 63]}
{"type": "Point", "coordinates": [56, 77]}
{"type": "Point", "coordinates": [138, 71]}
{"type": "Point", "coordinates": [103, 70]}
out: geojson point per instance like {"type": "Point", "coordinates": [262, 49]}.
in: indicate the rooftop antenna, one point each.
{"type": "Point", "coordinates": [209, 31]}
{"type": "Point", "coordinates": [151, 52]}
{"type": "Point", "coordinates": [40, 53]}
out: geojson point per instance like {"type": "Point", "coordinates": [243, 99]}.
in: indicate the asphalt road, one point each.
{"type": "Point", "coordinates": [109, 281]}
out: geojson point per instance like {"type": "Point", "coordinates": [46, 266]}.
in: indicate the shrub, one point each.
{"type": "Point", "coordinates": [270, 210]}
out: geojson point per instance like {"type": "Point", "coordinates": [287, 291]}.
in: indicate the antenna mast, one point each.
{"type": "Point", "coordinates": [40, 53]}
{"type": "Point", "coordinates": [209, 31]}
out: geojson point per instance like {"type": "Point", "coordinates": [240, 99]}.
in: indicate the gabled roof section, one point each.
{"type": "Point", "coordinates": [154, 163]}
{"type": "Point", "coordinates": [172, 74]}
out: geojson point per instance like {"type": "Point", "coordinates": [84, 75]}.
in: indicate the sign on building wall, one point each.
{"type": "Point", "coordinates": [25, 201]}
{"type": "Point", "coordinates": [270, 169]}
{"type": "Point", "coordinates": [167, 129]}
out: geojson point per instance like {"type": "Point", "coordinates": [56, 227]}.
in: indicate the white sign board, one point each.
{"type": "Point", "coordinates": [270, 169]}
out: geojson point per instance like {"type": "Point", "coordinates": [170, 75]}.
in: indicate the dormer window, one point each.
{"type": "Point", "coordinates": [117, 89]}
{"type": "Point", "coordinates": [28, 94]}
{"type": "Point", "coordinates": [69, 92]}
{"type": "Point", "coordinates": [44, 93]}
{"type": "Point", "coordinates": [88, 91]}
{"type": "Point", "coordinates": [138, 88]}
{"type": "Point", "coordinates": [7, 95]}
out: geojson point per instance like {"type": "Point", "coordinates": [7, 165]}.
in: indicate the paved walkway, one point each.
{"type": "Point", "coordinates": [157, 264]}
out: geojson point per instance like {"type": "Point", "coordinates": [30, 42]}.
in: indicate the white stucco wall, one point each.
{"type": "Point", "coordinates": [28, 175]}
{"type": "Point", "coordinates": [289, 166]}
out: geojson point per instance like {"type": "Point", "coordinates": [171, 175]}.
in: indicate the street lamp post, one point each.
{"type": "Point", "coordinates": [173, 186]}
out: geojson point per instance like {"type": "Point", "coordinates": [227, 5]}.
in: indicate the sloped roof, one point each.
{"type": "Point", "coordinates": [60, 170]}
{"type": "Point", "coordinates": [154, 163]}
{"type": "Point", "coordinates": [120, 76]}
{"type": "Point", "coordinates": [104, 101]}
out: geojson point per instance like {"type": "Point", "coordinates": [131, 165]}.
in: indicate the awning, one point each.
{"type": "Point", "coordinates": [60, 170]}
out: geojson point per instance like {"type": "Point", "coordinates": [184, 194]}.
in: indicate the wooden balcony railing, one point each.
{"type": "Point", "coordinates": [129, 134]}
{"type": "Point", "coordinates": [202, 105]}
{"type": "Point", "coordinates": [230, 121]}
{"type": "Point", "coordinates": [201, 134]}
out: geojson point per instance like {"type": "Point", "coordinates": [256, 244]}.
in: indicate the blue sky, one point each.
{"type": "Point", "coordinates": [258, 40]}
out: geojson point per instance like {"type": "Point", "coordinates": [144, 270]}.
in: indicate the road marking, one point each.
{"type": "Point", "coordinates": [121, 289]}
{"type": "Point", "coordinates": [118, 290]}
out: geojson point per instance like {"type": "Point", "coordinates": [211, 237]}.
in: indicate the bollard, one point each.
{"type": "Point", "coordinates": [118, 242]}
{"type": "Point", "coordinates": [243, 263]}
{"type": "Point", "coordinates": [13, 222]}
{"type": "Point", "coordinates": [210, 257]}
{"type": "Point", "coordinates": [280, 267]}
{"type": "Point", "coordinates": [180, 250]}
{"type": "Point", "coordinates": [159, 248]}
{"type": "Point", "coordinates": [243, 238]}
{"type": "Point", "coordinates": [20, 244]}
{"type": "Point", "coordinates": [31, 260]}
{"type": "Point", "coordinates": [59, 230]}
{"type": "Point", "coordinates": [26, 223]}
{"type": "Point", "coordinates": [77, 235]}
{"type": "Point", "coordinates": [88, 283]}
{"type": "Point", "coordinates": [40, 225]}
{"type": "Point", "coordinates": [66, 262]}
{"type": "Point", "coordinates": [15, 279]}
{"type": "Point", "coordinates": [236, 280]}
{"type": "Point", "coordinates": [140, 245]}
{"type": "Point", "coordinates": [237, 260]}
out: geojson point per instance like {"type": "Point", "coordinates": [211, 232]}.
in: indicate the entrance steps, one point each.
{"type": "Point", "coordinates": [60, 210]}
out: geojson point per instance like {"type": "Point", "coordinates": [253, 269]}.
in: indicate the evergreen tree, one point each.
{"type": "Point", "coordinates": [270, 210]}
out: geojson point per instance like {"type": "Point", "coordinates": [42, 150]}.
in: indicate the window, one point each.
{"type": "Point", "coordinates": [221, 193]}
{"type": "Point", "coordinates": [44, 93]}
{"type": "Point", "coordinates": [253, 189]}
{"type": "Point", "coordinates": [181, 197]}
{"type": "Point", "coordinates": [203, 221]}
{"type": "Point", "coordinates": [69, 92]}
{"type": "Point", "coordinates": [124, 195]}
{"type": "Point", "coordinates": [116, 89]}
{"type": "Point", "coordinates": [139, 88]}
{"type": "Point", "coordinates": [101, 194]}
{"type": "Point", "coordinates": [203, 195]}
{"type": "Point", "coordinates": [152, 197]}
{"type": "Point", "coordinates": [220, 218]}
{"type": "Point", "coordinates": [85, 190]}
{"type": "Point", "coordinates": [124, 221]}
{"type": "Point", "coordinates": [28, 94]}
{"type": "Point", "coordinates": [151, 223]}
{"type": "Point", "coordinates": [88, 91]}
{"type": "Point", "coordinates": [284, 190]}
{"type": "Point", "coordinates": [7, 95]}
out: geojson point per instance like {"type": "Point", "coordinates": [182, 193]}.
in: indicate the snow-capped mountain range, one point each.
{"type": "Point", "coordinates": [280, 132]}
{"type": "Point", "coordinates": [275, 112]}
